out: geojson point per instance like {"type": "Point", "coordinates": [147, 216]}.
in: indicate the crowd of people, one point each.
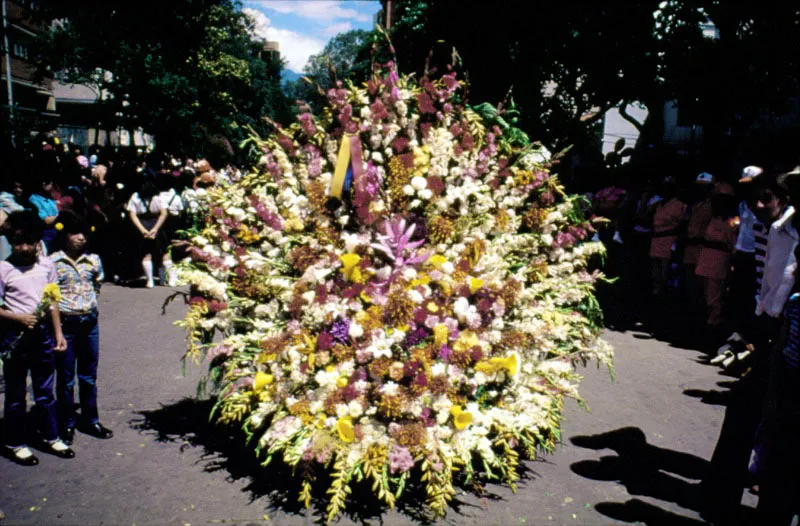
{"type": "Point", "coordinates": [726, 253]}
{"type": "Point", "coordinates": [68, 222]}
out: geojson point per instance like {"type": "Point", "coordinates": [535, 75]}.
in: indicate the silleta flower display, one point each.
{"type": "Point", "coordinates": [402, 293]}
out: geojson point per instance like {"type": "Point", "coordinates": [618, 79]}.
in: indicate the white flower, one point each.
{"type": "Point", "coordinates": [419, 183]}
{"type": "Point", "coordinates": [415, 296]}
{"type": "Point", "coordinates": [356, 330]}
{"type": "Point", "coordinates": [355, 409]}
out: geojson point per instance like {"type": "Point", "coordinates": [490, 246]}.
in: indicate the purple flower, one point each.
{"type": "Point", "coordinates": [427, 414]}
{"type": "Point", "coordinates": [414, 337]}
{"type": "Point", "coordinates": [340, 331]}
{"type": "Point", "coordinates": [445, 353]}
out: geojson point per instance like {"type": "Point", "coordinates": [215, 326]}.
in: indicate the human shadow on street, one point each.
{"type": "Point", "coordinates": [638, 511]}
{"type": "Point", "coordinates": [186, 422]}
{"type": "Point", "coordinates": [646, 470]}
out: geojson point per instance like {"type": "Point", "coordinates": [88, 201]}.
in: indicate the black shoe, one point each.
{"type": "Point", "coordinates": [54, 449]}
{"type": "Point", "coordinates": [16, 456]}
{"type": "Point", "coordinates": [97, 430]}
{"type": "Point", "coordinates": [68, 435]}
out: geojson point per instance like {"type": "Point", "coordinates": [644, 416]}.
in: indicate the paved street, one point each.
{"type": "Point", "coordinates": [637, 457]}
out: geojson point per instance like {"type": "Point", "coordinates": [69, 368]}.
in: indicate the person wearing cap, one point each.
{"type": "Point", "coordinates": [79, 277]}
{"type": "Point", "coordinates": [714, 260]}
{"type": "Point", "coordinates": [751, 243]}
{"type": "Point", "coordinates": [699, 217]}
{"type": "Point", "coordinates": [669, 215]}
{"type": "Point", "coordinates": [728, 469]}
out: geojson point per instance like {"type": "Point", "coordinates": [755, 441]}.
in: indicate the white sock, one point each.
{"type": "Point", "coordinates": [147, 265]}
{"type": "Point", "coordinates": [169, 272]}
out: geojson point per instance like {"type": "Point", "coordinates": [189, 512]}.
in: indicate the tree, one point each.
{"type": "Point", "coordinates": [188, 72]}
{"type": "Point", "coordinates": [569, 62]}
{"type": "Point", "coordinates": [347, 56]}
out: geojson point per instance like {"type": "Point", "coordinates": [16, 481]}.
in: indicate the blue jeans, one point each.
{"type": "Point", "coordinates": [34, 353]}
{"type": "Point", "coordinates": [83, 346]}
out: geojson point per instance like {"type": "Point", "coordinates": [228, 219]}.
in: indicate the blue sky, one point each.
{"type": "Point", "coordinates": [303, 27]}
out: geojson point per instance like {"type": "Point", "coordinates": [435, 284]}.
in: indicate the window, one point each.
{"type": "Point", "coordinates": [19, 51]}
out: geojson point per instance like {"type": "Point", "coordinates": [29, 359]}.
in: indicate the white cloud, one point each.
{"type": "Point", "coordinates": [320, 10]}
{"type": "Point", "coordinates": [335, 29]}
{"type": "Point", "coordinates": [295, 48]}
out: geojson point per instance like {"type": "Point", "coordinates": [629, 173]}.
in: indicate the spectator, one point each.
{"type": "Point", "coordinates": [79, 278]}
{"type": "Point", "coordinates": [669, 215]}
{"type": "Point", "coordinates": [148, 215]}
{"type": "Point", "coordinates": [23, 278]}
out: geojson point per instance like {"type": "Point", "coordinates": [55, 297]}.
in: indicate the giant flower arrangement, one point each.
{"type": "Point", "coordinates": [402, 293]}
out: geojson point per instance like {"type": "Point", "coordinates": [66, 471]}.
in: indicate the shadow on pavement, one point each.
{"type": "Point", "coordinates": [187, 423]}
{"type": "Point", "coordinates": [644, 470]}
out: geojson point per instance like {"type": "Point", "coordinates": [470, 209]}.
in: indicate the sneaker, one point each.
{"type": "Point", "coordinates": [150, 284]}
{"type": "Point", "coordinates": [58, 448]}
{"type": "Point", "coordinates": [22, 455]}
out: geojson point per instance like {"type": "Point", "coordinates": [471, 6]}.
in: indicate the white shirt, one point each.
{"type": "Point", "coordinates": [780, 266]}
{"type": "Point", "coordinates": [172, 201]}
{"type": "Point", "coordinates": [746, 241]}
{"type": "Point", "coordinates": [136, 205]}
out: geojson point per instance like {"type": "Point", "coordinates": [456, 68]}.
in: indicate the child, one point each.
{"type": "Point", "coordinates": [714, 261]}
{"type": "Point", "coordinates": [23, 278]}
{"type": "Point", "coordinates": [148, 215]}
{"type": "Point", "coordinates": [79, 278]}
{"type": "Point", "coordinates": [667, 220]}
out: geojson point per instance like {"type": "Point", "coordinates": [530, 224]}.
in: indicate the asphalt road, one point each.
{"type": "Point", "coordinates": [636, 457]}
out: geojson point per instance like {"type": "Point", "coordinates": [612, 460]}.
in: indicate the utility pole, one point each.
{"type": "Point", "coordinates": [8, 72]}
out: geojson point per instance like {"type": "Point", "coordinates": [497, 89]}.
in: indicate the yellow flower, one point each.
{"type": "Point", "coordinates": [475, 284]}
{"type": "Point", "coordinates": [92, 228]}
{"type": "Point", "coordinates": [59, 226]}
{"type": "Point", "coordinates": [345, 428]}
{"type": "Point", "coordinates": [350, 267]}
{"type": "Point", "coordinates": [51, 293]}
{"type": "Point", "coordinates": [436, 261]}
{"type": "Point", "coordinates": [466, 341]}
{"type": "Point", "coordinates": [423, 279]}
{"type": "Point", "coordinates": [422, 160]}
{"type": "Point", "coordinates": [262, 380]}
{"type": "Point", "coordinates": [461, 418]}
{"type": "Point", "coordinates": [321, 421]}
{"type": "Point", "coordinates": [341, 381]}
{"type": "Point", "coordinates": [294, 225]}
{"type": "Point", "coordinates": [440, 334]}
{"type": "Point", "coordinates": [509, 363]}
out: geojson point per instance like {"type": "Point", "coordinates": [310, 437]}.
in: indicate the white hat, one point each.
{"type": "Point", "coordinates": [749, 173]}
{"type": "Point", "coordinates": [705, 178]}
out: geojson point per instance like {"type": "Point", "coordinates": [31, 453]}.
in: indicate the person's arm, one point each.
{"type": "Point", "coordinates": [55, 317]}
{"type": "Point", "coordinates": [162, 216]}
{"type": "Point", "coordinates": [136, 222]}
{"type": "Point", "coordinates": [28, 320]}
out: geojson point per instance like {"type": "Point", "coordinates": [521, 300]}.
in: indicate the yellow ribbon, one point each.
{"type": "Point", "coordinates": [342, 162]}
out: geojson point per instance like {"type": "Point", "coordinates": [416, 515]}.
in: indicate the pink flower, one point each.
{"type": "Point", "coordinates": [400, 460]}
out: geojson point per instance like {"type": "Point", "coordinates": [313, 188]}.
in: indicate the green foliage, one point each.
{"type": "Point", "coordinates": [187, 72]}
